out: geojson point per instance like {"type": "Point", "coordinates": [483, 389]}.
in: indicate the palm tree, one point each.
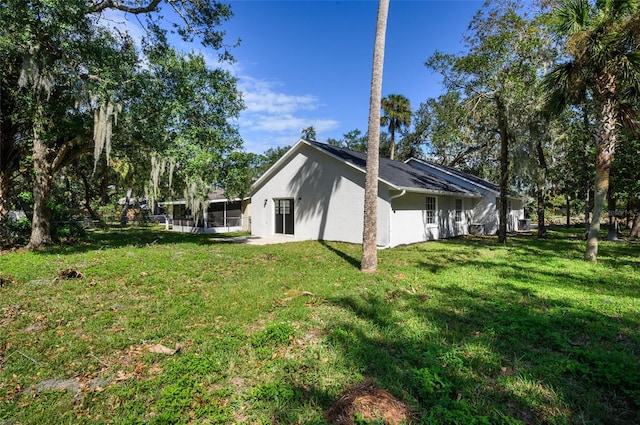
{"type": "Point", "coordinates": [603, 40]}
{"type": "Point", "coordinates": [397, 114]}
{"type": "Point", "coordinates": [370, 234]}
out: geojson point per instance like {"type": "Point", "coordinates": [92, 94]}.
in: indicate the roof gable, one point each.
{"type": "Point", "coordinates": [395, 174]}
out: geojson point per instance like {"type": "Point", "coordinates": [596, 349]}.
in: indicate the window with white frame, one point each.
{"type": "Point", "coordinates": [458, 210]}
{"type": "Point", "coordinates": [430, 210]}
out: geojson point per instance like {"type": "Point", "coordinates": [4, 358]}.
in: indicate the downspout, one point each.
{"type": "Point", "coordinates": [391, 198]}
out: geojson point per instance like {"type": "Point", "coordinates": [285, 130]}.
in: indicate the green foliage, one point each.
{"type": "Point", "coordinates": [396, 116]}
{"type": "Point", "coordinates": [15, 233]}
{"type": "Point", "coordinates": [269, 158]}
{"type": "Point", "coordinates": [309, 133]}
{"type": "Point", "coordinates": [183, 401]}
{"type": "Point", "coordinates": [278, 393]}
{"type": "Point", "coordinates": [274, 334]}
{"type": "Point", "coordinates": [359, 420]}
{"type": "Point", "coordinates": [98, 97]}
{"type": "Point", "coordinates": [428, 384]}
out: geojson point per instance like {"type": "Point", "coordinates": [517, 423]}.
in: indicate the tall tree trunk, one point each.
{"type": "Point", "coordinates": [104, 185]}
{"type": "Point", "coordinates": [41, 223]}
{"type": "Point", "coordinates": [542, 227]}
{"type": "Point", "coordinates": [585, 174]}
{"type": "Point", "coordinates": [370, 232]}
{"type": "Point", "coordinates": [613, 220]}
{"type": "Point", "coordinates": [504, 169]}
{"type": "Point", "coordinates": [393, 142]}
{"type": "Point", "coordinates": [87, 194]}
{"type": "Point", "coordinates": [635, 228]}
{"type": "Point", "coordinates": [5, 187]}
{"type": "Point", "coordinates": [542, 180]}
{"type": "Point", "coordinates": [125, 209]}
{"type": "Point", "coordinates": [587, 208]}
{"type": "Point", "coordinates": [605, 146]}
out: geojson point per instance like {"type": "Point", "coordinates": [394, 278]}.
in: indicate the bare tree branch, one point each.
{"type": "Point", "coordinates": [113, 4]}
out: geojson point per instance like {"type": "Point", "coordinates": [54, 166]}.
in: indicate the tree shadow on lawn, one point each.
{"type": "Point", "coordinates": [349, 259]}
{"type": "Point", "coordinates": [458, 357]}
{"type": "Point", "coordinates": [543, 263]}
{"type": "Point", "coordinates": [138, 237]}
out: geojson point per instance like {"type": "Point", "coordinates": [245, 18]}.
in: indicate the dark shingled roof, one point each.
{"type": "Point", "coordinates": [397, 173]}
{"type": "Point", "coordinates": [461, 174]}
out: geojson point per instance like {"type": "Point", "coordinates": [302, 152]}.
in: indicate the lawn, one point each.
{"type": "Point", "coordinates": [147, 326]}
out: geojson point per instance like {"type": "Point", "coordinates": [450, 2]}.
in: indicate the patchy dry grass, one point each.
{"type": "Point", "coordinates": [146, 326]}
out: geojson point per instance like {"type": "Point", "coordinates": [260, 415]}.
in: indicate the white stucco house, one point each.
{"type": "Point", "coordinates": [316, 192]}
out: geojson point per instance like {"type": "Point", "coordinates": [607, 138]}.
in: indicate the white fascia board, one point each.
{"type": "Point", "coordinates": [217, 201]}
{"type": "Point", "coordinates": [451, 174]}
{"type": "Point", "coordinates": [211, 201]}
{"type": "Point", "coordinates": [440, 192]}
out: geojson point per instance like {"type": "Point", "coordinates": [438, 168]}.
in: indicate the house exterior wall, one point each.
{"type": "Point", "coordinates": [409, 219]}
{"type": "Point", "coordinates": [246, 215]}
{"type": "Point", "coordinates": [328, 198]}
{"type": "Point", "coordinates": [484, 211]}
{"type": "Point", "coordinates": [515, 214]}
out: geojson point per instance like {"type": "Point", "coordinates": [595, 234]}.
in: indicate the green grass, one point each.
{"type": "Point", "coordinates": [465, 331]}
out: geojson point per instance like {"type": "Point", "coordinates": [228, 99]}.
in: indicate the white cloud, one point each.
{"type": "Point", "coordinates": [263, 96]}
{"type": "Point", "coordinates": [275, 118]}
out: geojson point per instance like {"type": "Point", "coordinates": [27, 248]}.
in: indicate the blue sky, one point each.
{"type": "Point", "coordinates": [304, 63]}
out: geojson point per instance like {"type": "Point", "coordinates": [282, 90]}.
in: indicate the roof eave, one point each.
{"type": "Point", "coordinates": [440, 192]}
{"type": "Point", "coordinates": [210, 201]}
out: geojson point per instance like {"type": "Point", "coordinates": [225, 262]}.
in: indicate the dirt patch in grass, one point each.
{"type": "Point", "coordinates": [68, 274]}
{"type": "Point", "coordinates": [366, 401]}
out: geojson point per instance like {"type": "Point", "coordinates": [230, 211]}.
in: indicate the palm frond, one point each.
{"type": "Point", "coordinates": [565, 85]}
{"type": "Point", "coordinates": [628, 117]}
{"type": "Point", "coordinates": [618, 8]}
{"type": "Point", "coordinates": [572, 16]}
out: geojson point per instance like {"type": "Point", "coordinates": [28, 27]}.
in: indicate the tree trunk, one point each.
{"type": "Point", "coordinates": [613, 220]}
{"type": "Point", "coordinates": [605, 147]}
{"type": "Point", "coordinates": [393, 142]}
{"type": "Point", "coordinates": [568, 211]}
{"type": "Point", "coordinates": [542, 228]}
{"type": "Point", "coordinates": [370, 234]}
{"type": "Point", "coordinates": [587, 209]}
{"type": "Point", "coordinates": [87, 195]}
{"type": "Point", "coordinates": [504, 169]}
{"type": "Point", "coordinates": [635, 228]}
{"type": "Point", "coordinates": [125, 209]}
{"type": "Point", "coordinates": [104, 185]}
{"type": "Point", "coordinates": [5, 187]}
{"type": "Point", "coordinates": [585, 174]}
{"type": "Point", "coordinates": [542, 177]}
{"type": "Point", "coordinates": [41, 223]}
